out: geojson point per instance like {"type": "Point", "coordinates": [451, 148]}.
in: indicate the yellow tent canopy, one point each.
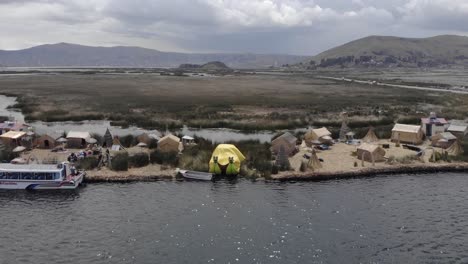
{"type": "Point", "coordinates": [226, 159]}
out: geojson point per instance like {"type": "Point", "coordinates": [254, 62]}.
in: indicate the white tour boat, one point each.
{"type": "Point", "coordinates": [39, 176]}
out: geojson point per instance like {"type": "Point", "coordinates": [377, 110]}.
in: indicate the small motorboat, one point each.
{"type": "Point", "coordinates": [196, 175]}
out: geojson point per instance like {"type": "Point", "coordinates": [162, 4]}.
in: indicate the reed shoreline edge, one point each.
{"type": "Point", "coordinates": [297, 176]}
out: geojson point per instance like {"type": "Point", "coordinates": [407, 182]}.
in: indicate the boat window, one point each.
{"type": "Point", "coordinates": [27, 175]}
{"type": "Point", "coordinates": [49, 176]}
{"type": "Point", "coordinates": [13, 175]}
{"type": "Point", "coordinates": [2, 175]}
{"type": "Point", "coordinates": [39, 176]}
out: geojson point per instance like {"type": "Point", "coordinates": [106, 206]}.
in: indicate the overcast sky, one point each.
{"type": "Point", "coordinates": [303, 27]}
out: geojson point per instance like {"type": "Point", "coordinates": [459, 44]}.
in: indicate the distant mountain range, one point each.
{"type": "Point", "coordinates": [381, 51]}
{"type": "Point", "coordinates": [72, 55]}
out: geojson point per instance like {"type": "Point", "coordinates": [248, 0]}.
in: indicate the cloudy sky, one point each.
{"type": "Point", "coordinates": [303, 27]}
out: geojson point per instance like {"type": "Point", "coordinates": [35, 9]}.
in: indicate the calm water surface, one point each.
{"type": "Point", "coordinates": [397, 219]}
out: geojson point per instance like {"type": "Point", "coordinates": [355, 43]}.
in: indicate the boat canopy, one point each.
{"type": "Point", "coordinates": [226, 155]}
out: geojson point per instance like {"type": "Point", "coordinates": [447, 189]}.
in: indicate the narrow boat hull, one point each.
{"type": "Point", "coordinates": [196, 175]}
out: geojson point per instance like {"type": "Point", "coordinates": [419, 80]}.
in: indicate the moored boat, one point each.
{"type": "Point", "coordinates": [196, 175]}
{"type": "Point", "coordinates": [39, 177]}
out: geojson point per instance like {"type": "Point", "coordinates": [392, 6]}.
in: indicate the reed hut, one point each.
{"type": "Point", "coordinates": [47, 141]}
{"type": "Point", "coordinates": [443, 140]}
{"type": "Point", "coordinates": [12, 138]}
{"type": "Point", "coordinates": [370, 153]}
{"type": "Point", "coordinates": [321, 135]}
{"type": "Point", "coordinates": [170, 143]}
{"type": "Point", "coordinates": [77, 139]}
{"type": "Point", "coordinates": [288, 141]}
{"type": "Point", "coordinates": [370, 137]}
{"type": "Point", "coordinates": [410, 134]}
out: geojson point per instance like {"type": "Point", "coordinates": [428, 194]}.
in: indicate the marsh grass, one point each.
{"type": "Point", "coordinates": [248, 103]}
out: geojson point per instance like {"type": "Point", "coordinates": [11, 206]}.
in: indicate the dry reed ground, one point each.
{"type": "Point", "coordinates": [339, 158]}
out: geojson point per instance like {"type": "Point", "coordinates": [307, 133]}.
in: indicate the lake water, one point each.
{"type": "Point", "coordinates": [219, 135]}
{"type": "Point", "coordinates": [394, 219]}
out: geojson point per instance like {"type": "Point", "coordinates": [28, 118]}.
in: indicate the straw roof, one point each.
{"type": "Point", "coordinates": [369, 147]}
{"type": "Point", "coordinates": [455, 149]}
{"type": "Point", "coordinates": [406, 128]}
{"type": "Point", "coordinates": [13, 134]}
{"type": "Point", "coordinates": [169, 137]}
{"type": "Point", "coordinates": [321, 132]}
{"type": "Point", "coordinates": [314, 162]}
{"type": "Point", "coordinates": [370, 136]}
{"type": "Point", "coordinates": [444, 136]}
{"type": "Point", "coordinates": [376, 153]}
{"type": "Point", "coordinates": [77, 134]}
{"type": "Point", "coordinates": [288, 137]}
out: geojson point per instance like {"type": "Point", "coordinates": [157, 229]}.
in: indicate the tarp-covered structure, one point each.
{"type": "Point", "coordinates": [321, 135]}
{"type": "Point", "coordinates": [226, 160]}
{"type": "Point", "coordinates": [407, 134]}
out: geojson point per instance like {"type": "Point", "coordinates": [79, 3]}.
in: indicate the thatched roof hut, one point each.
{"type": "Point", "coordinates": [287, 140]}
{"type": "Point", "coordinates": [407, 134]}
{"type": "Point", "coordinates": [76, 139]}
{"type": "Point", "coordinates": [170, 143]}
{"type": "Point", "coordinates": [370, 153]}
{"type": "Point", "coordinates": [47, 141]}
{"type": "Point", "coordinates": [321, 135]}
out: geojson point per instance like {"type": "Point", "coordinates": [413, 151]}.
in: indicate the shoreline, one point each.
{"type": "Point", "coordinates": [373, 172]}
{"type": "Point", "coordinates": [126, 177]}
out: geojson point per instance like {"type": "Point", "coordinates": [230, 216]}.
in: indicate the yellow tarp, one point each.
{"type": "Point", "coordinates": [223, 153]}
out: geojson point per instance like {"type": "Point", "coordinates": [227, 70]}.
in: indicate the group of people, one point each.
{"type": "Point", "coordinates": [75, 157]}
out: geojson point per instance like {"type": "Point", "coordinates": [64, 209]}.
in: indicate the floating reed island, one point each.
{"type": "Point", "coordinates": [317, 154]}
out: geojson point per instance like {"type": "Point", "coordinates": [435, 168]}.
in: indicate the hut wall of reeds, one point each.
{"type": "Point", "coordinates": [370, 153]}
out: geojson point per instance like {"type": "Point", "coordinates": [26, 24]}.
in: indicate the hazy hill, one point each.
{"type": "Point", "coordinates": [72, 55]}
{"type": "Point", "coordinates": [394, 51]}
{"type": "Point", "coordinates": [212, 65]}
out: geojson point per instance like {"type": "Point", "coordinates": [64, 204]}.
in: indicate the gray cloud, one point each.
{"type": "Point", "coordinates": [266, 26]}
